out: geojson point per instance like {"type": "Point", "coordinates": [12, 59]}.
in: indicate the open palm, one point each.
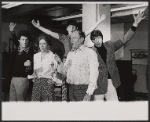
{"type": "Point", "coordinates": [139, 17]}
{"type": "Point", "coordinates": [12, 26]}
{"type": "Point", "coordinates": [36, 24]}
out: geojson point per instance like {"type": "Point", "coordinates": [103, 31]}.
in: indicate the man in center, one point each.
{"type": "Point", "coordinates": [81, 69]}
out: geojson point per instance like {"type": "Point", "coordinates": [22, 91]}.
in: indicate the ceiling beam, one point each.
{"type": "Point", "coordinates": [127, 12]}
{"type": "Point", "coordinates": [24, 9]}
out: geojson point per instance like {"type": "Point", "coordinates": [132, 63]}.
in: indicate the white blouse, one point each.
{"type": "Point", "coordinates": [45, 68]}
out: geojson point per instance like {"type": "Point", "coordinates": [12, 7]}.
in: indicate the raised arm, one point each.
{"type": "Point", "coordinates": [14, 37]}
{"type": "Point", "coordinates": [102, 17]}
{"type": "Point", "coordinates": [47, 31]}
{"type": "Point", "coordinates": [128, 36]}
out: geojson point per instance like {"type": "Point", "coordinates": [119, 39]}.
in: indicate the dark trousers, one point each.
{"type": "Point", "coordinates": [43, 90]}
{"type": "Point", "coordinates": [77, 92]}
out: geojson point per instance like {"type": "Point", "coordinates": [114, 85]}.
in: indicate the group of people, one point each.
{"type": "Point", "coordinates": [89, 71]}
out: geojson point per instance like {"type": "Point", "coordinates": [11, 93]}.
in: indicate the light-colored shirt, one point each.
{"type": "Point", "coordinates": [82, 68]}
{"type": "Point", "coordinates": [45, 68]}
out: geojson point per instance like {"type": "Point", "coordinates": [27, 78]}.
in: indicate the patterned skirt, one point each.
{"type": "Point", "coordinates": [43, 90]}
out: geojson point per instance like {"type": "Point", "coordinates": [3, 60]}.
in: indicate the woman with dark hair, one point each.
{"type": "Point", "coordinates": [45, 66]}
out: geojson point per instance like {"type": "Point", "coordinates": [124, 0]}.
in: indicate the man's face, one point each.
{"type": "Point", "coordinates": [43, 45]}
{"type": "Point", "coordinates": [23, 41]}
{"type": "Point", "coordinates": [71, 29]}
{"type": "Point", "coordinates": [98, 41]}
{"type": "Point", "coordinates": [75, 37]}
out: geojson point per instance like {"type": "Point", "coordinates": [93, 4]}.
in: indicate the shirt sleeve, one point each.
{"type": "Point", "coordinates": [117, 44]}
{"type": "Point", "coordinates": [126, 38]}
{"type": "Point", "coordinates": [93, 65]}
{"type": "Point", "coordinates": [15, 39]}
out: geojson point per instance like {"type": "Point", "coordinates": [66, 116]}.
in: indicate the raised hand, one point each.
{"type": "Point", "coordinates": [102, 17]}
{"type": "Point", "coordinates": [138, 18]}
{"type": "Point", "coordinates": [12, 26]}
{"type": "Point", "coordinates": [36, 24]}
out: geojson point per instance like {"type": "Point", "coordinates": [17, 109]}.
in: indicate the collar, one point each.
{"type": "Point", "coordinates": [49, 51]}
{"type": "Point", "coordinates": [26, 50]}
{"type": "Point", "coordinates": [79, 48]}
{"type": "Point", "coordinates": [93, 47]}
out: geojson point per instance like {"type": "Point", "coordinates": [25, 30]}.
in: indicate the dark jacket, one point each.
{"type": "Point", "coordinates": [111, 67]}
{"type": "Point", "coordinates": [19, 70]}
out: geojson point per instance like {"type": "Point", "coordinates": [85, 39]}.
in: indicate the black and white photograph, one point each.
{"type": "Point", "coordinates": [74, 60]}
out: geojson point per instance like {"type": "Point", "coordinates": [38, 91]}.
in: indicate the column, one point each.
{"type": "Point", "coordinates": [91, 13]}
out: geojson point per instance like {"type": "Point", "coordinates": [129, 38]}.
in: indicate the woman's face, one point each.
{"type": "Point", "coordinates": [98, 41]}
{"type": "Point", "coordinates": [43, 45]}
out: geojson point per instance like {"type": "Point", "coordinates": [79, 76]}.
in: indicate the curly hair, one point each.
{"type": "Point", "coordinates": [24, 33]}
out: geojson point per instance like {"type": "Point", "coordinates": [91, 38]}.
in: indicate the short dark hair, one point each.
{"type": "Point", "coordinates": [95, 34]}
{"type": "Point", "coordinates": [24, 33]}
{"type": "Point", "coordinates": [72, 22]}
